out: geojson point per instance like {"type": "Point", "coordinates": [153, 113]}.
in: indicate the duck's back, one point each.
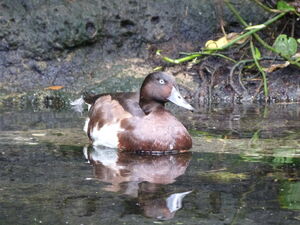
{"type": "Point", "coordinates": [128, 100]}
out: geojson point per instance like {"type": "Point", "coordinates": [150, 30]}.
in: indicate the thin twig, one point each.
{"type": "Point", "coordinates": [232, 72]}
{"type": "Point", "coordinates": [212, 51]}
{"type": "Point", "coordinates": [206, 53]}
{"type": "Point", "coordinates": [256, 36]}
{"type": "Point", "coordinates": [203, 78]}
{"type": "Point", "coordinates": [258, 89]}
{"type": "Point", "coordinates": [261, 70]}
{"type": "Point", "coordinates": [240, 81]}
{"type": "Point", "coordinates": [266, 7]}
{"type": "Point", "coordinates": [293, 27]}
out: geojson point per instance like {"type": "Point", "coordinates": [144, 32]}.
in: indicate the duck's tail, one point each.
{"type": "Point", "coordinates": [87, 98]}
{"type": "Point", "coordinates": [77, 104]}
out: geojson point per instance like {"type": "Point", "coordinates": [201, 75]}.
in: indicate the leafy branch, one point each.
{"type": "Point", "coordinates": [283, 46]}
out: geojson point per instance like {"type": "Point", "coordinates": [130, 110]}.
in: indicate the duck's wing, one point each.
{"type": "Point", "coordinates": [104, 119]}
{"type": "Point", "coordinates": [128, 100]}
{"type": "Point", "coordinates": [111, 109]}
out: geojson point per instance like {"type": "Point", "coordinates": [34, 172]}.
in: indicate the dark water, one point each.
{"type": "Point", "coordinates": [244, 169]}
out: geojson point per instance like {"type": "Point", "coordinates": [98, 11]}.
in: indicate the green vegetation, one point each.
{"type": "Point", "coordinates": [286, 46]}
{"type": "Point", "coordinates": [283, 49]}
{"type": "Point", "coordinates": [289, 196]}
{"type": "Point", "coordinates": [224, 176]}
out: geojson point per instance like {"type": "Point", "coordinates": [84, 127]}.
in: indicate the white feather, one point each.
{"type": "Point", "coordinates": [77, 104]}
{"type": "Point", "coordinates": [107, 135]}
{"type": "Point", "coordinates": [86, 125]}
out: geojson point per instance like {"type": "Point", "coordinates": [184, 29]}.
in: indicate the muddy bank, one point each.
{"type": "Point", "coordinates": [108, 46]}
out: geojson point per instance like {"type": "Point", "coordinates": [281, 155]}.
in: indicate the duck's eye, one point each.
{"type": "Point", "coordinates": [161, 81]}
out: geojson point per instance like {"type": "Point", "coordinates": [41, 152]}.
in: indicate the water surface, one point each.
{"type": "Point", "coordinates": [244, 168]}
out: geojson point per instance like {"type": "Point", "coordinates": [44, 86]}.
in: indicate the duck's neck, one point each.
{"type": "Point", "coordinates": [151, 106]}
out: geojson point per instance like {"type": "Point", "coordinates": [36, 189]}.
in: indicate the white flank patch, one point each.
{"type": "Point", "coordinates": [107, 135]}
{"type": "Point", "coordinates": [85, 152]}
{"type": "Point", "coordinates": [89, 106]}
{"type": "Point", "coordinates": [86, 125]}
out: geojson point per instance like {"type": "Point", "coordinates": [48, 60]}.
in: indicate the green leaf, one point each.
{"type": "Point", "coordinates": [285, 46]}
{"type": "Point", "coordinates": [298, 40]}
{"type": "Point", "coordinates": [284, 6]}
{"type": "Point", "coordinates": [257, 54]}
{"type": "Point", "coordinates": [292, 43]}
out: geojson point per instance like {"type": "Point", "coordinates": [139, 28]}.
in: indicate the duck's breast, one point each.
{"type": "Point", "coordinates": [159, 131]}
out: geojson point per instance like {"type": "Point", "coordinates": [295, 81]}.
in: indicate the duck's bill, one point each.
{"type": "Point", "coordinates": [177, 99]}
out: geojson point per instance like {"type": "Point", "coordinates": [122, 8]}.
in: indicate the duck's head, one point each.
{"type": "Point", "coordinates": [159, 88]}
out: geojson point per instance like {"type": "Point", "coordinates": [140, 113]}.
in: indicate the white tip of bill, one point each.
{"type": "Point", "coordinates": [177, 99]}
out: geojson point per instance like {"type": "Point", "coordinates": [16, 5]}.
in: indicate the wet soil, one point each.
{"type": "Point", "coordinates": [103, 46]}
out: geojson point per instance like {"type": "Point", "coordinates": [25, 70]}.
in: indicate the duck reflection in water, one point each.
{"type": "Point", "coordinates": [141, 177]}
